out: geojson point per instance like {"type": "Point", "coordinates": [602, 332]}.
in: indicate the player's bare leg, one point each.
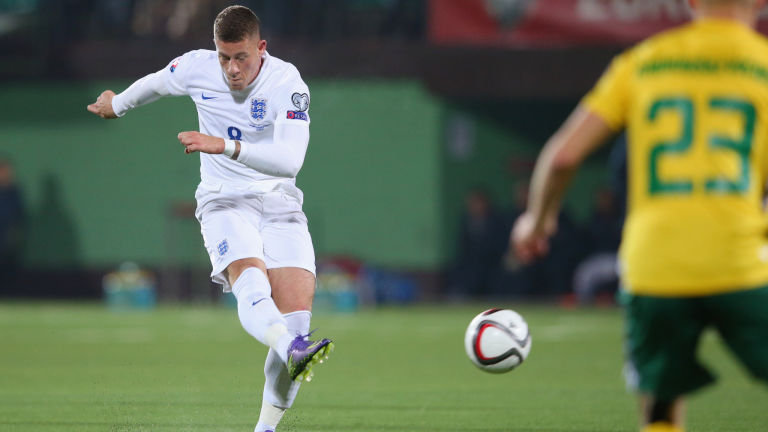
{"type": "Point", "coordinates": [661, 416]}
{"type": "Point", "coordinates": [292, 290]}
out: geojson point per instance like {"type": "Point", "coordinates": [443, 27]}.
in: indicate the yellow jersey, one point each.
{"type": "Point", "coordinates": [694, 102]}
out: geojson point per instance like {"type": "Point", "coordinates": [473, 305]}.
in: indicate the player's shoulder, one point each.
{"type": "Point", "coordinates": [667, 41]}
{"type": "Point", "coordinates": [195, 60]}
{"type": "Point", "coordinates": [200, 56]}
{"type": "Point", "coordinates": [284, 72]}
{"type": "Point", "coordinates": [705, 36]}
{"type": "Point", "coordinates": [653, 44]}
{"type": "Point", "coordinates": [760, 43]}
{"type": "Point", "coordinates": [282, 66]}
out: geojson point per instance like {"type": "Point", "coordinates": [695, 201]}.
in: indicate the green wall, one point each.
{"type": "Point", "coordinates": [371, 179]}
{"type": "Point", "coordinates": [382, 178]}
{"type": "Point", "coordinates": [100, 192]}
{"type": "Point", "coordinates": [490, 152]}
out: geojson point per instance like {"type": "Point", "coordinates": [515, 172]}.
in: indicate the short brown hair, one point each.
{"type": "Point", "coordinates": [236, 23]}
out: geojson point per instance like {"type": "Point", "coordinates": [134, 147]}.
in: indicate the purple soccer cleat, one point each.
{"type": "Point", "coordinates": [303, 354]}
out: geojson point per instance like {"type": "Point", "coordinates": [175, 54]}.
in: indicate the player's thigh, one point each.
{"type": "Point", "coordinates": [741, 318]}
{"type": "Point", "coordinates": [230, 234]}
{"type": "Point", "coordinates": [284, 230]}
{"type": "Point", "coordinates": [662, 337]}
{"type": "Point", "coordinates": [292, 288]}
{"type": "Point", "coordinates": [288, 252]}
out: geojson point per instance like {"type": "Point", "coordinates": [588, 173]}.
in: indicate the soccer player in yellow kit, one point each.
{"type": "Point", "coordinates": [694, 254]}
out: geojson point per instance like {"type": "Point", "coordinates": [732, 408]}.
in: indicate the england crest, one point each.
{"type": "Point", "coordinates": [223, 247]}
{"type": "Point", "coordinates": [258, 108]}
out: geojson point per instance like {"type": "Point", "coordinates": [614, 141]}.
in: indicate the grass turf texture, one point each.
{"type": "Point", "coordinates": [71, 367]}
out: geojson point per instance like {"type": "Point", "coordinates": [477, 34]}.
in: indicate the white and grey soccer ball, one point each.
{"type": "Point", "coordinates": [497, 340]}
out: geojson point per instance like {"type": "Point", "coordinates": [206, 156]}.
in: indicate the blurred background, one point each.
{"type": "Point", "coordinates": [427, 117]}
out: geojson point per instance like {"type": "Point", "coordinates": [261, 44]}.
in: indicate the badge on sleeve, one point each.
{"type": "Point", "coordinates": [296, 115]}
{"type": "Point", "coordinates": [300, 101]}
{"type": "Point", "coordinates": [175, 64]}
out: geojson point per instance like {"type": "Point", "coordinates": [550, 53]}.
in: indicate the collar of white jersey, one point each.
{"type": "Point", "coordinates": [265, 62]}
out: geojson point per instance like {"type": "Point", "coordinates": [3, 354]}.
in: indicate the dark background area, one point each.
{"type": "Point", "coordinates": [452, 121]}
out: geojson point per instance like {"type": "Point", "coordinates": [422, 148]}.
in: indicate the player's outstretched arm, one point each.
{"type": "Point", "coordinates": [103, 105]}
{"type": "Point", "coordinates": [146, 90]}
{"type": "Point", "coordinates": [581, 134]}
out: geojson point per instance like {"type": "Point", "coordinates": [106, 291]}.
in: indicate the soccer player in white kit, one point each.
{"type": "Point", "coordinates": [253, 111]}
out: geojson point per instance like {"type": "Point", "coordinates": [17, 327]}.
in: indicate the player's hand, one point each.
{"type": "Point", "coordinates": [195, 141]}
{"type": "Point", "coordinates": [531, 240]}
{"type": "Point", "coordinates": [103, 105]}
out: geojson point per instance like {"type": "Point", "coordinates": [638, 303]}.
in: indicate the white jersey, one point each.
{"type": "Point", "coordinates": [249, 207]}
{"type": "Point", "coordinates": [247, 115]}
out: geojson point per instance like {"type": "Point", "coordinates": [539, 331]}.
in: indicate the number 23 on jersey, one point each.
{"type": "Point", "coordinates": [716, 143]}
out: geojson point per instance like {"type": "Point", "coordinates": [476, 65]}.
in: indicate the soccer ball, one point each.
{"type": "Point", "coordinates": [497, 340]}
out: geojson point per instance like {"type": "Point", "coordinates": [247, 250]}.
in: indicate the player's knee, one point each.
{"type": "Point", "coordinates": [252, 284]}
{"type": "Point", "coordinates": [292, 288]}
{"type": "Point", "coordinates": [297, 303]}
{"type": "Point", "coordinates": [236, 268]}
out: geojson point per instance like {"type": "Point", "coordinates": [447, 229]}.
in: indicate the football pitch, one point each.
{"type": "Point", "coordinates": [81, 367]}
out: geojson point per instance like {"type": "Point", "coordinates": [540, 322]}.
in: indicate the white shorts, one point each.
{"type": "Point", "coordinates": [241, 223]}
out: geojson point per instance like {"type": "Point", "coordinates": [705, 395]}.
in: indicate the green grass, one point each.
{"type": "Point", "coordinates": [71, 367]}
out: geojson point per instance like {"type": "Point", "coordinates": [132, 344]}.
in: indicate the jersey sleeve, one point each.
{"type": "Point", "coordinates": [292, 100]}
{"type": "Point", "coordinates": [609, 98]}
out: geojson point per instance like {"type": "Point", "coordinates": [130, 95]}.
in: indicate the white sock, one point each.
{"type": "Point", "coordinates": [279, 389]}
{"type": "Point", "coordinates": [257, 311]}
{"type": "Point", "coordinates": [269, 418]}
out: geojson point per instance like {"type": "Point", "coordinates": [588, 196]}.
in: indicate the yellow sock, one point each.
{"type": "Point", "coordinates": [662, 427]}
